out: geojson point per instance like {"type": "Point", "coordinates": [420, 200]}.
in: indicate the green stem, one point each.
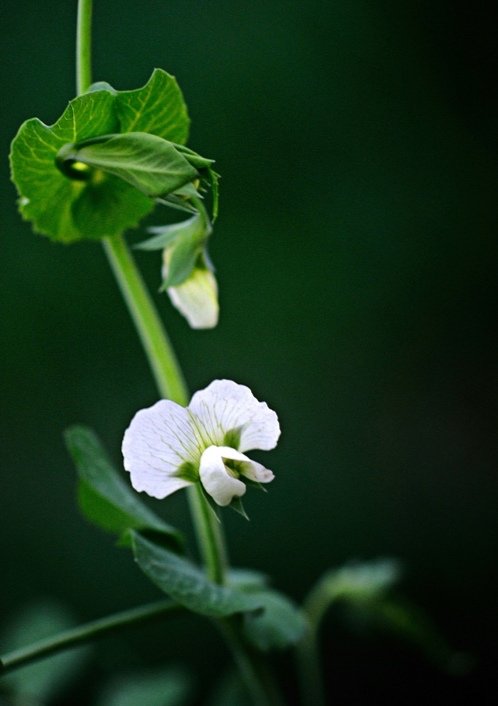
{"type": "Point", "coordinates": [84, 46]}
{"type": "Point", "coordinates": [310, 672]}
{"type": "Point", "coordinates": [308, 653]}
{"type": "Point", "coordinates": [84, 633]}
{"type": "Point", "coordinates": [253, 671]}
{"type": "Point", "coordinates": [170, 384]}
{"type": "Point", "coordinates": [209, 532]}
{"type": "Point", "coordinates": [158, 350]}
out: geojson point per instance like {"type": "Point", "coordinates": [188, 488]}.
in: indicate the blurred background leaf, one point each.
{"type": "Point", "coordinates": [168, 687]}
{"type": "Point", "coordinates": [39, 683]}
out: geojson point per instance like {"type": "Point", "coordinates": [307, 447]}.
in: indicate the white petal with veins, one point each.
{"type": "Point", "coordinates": [158, 441]}
{"type": "Point", "coordinates": [224, 406]}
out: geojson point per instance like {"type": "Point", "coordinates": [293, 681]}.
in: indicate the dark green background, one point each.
{"type": "Point", "coordinates": [356, 253]}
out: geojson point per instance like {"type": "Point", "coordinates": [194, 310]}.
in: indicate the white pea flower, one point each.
{"type": "Point", "coordinates": [168, 447]}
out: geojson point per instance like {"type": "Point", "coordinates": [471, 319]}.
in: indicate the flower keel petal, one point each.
{"type": "Point", "coordinates": [216, 479]}
{"type": "Point", "coordinates": [247, 468]}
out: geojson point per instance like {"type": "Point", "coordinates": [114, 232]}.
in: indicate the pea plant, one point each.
{"type": "Point", "coordinates": [97, 172]}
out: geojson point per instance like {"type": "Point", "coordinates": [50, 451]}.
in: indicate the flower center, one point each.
{"type": "Point", "coordinates": [234, 468]}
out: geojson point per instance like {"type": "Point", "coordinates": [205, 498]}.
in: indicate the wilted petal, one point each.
{"type": "Point", "coordinates": [217, 480]}
{"type": "Point", "coordinates": [158, 442]}
{"type": "Point", "coordinates": [232, 416]}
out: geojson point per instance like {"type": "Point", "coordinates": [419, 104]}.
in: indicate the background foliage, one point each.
{"type": "Point", "coordinates": [356, 251]}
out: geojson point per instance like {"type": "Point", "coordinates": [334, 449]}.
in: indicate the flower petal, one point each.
{"type": "Point", "coordinates": [231, 415]}
{"type": "Point", "coordinates": [247, 468]}
{"type": "Point", "coordinates": [215, 478]}
{"type": "Point", "coordinates": [159, 440]}
{"type": "Point", "coordinates": [196, 298]}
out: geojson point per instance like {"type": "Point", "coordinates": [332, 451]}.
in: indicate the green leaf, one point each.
{"type": "Point", "coordinates": [169, 687]}
{"type": "Point", "coordinates": [46, 679]}
{"type": "Point", "coordinates": [195, 159]}
{"type": "Point", "coordinates": [280, 625]}
{"type": "Point", "coordinates": [147, 162]}
{"type": "Point", "coordinates": [186, 584]}
{"type": "Point", "coordinates": [247, 579]}
{"type": "Point", "coordinates": [361, 581]}
{"type": "Point", "coordinates": [230, 691]}
{"type": "Point", "coordinates": [58, 206]}
{"type": "Point", "coordinates": [401, 618]}
{"type": "Point", "coordinates": [105, 499]}
{"type": "Point", "coordinates": [365, 590]}
{"type": "Point", "coordinates": [165, 235]}
{"type": "Point", "coordinates": [157, 108]}
{"type": "Point", "coordinates": [354, 583]}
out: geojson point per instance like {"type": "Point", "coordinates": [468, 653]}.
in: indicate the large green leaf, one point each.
{"type": "Point", "coordinates": [150, 164]}
{"type": "Point", "coordinates": [157, 108]}
{"type": "Point", "coordinates": [51, 200]}
{"type": "Point", "coordinates": [186, 584]}
{"type": "Point", "coordinates": [105, 498]}
{"type": "Point", "coordinates": [97, 204]}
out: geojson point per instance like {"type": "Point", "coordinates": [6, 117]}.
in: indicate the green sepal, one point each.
{"type": "Point", "coordinates": [279, 625]}
{"type": "Point", "coordinates": [195, 159]}
{"type": "Point", "coordinates": [149, 163]}
{"type": "Point", "coordinates": [238, 507]}
{"type": "Point", "coordinates": [187, 584]}
{"type": "Point", "coordinates": [215, 191]}
{"type": "Point", "coordinates": [105, 499]}
{"type": "Point", "coordinates": [184, 257]}
{"type": "Point", "coordinates": [205, 166]}
{"type": "Point", "coordinates": [255, 484]}
{"type": "Point", "coordinates": [191, 228]}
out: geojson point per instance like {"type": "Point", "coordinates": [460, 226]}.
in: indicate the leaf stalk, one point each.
{"type": "Point", "coordinates": [84, 633]}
